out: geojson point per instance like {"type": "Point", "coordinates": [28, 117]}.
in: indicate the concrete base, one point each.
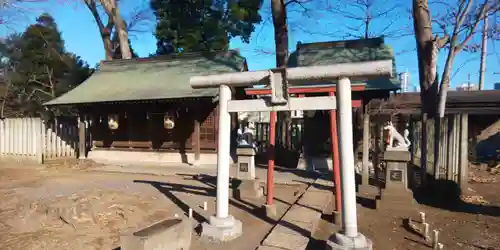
{"type": "Point", "coordinates": [225, 229]}
{"type": "Point", "coordinates": [154, 158]}
{"type": "Point", "coordinates": [249, 189]}
{"type": "Point", "coordinates": [342, 242]}
{"type": "Point", "coordinates": [172, 234]}
{"type": "Point", "coordinates": [270, 211]}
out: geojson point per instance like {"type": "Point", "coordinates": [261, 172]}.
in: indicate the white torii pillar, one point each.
{"type": "Point", "coordinates": [349, 238]}
{"type": "Point", "coordinates": [224, 227]}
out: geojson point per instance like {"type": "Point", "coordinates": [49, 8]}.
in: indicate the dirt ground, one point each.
{"type": "Point", "coordinates": [471, 223]}
{"type": "Point", "coordinates": [68, 208]}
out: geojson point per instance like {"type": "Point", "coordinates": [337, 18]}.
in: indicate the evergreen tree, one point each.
{"type": "Point", "coordinates": [38, 67]}
{"type": "Point", "coordinates": [203, 25]}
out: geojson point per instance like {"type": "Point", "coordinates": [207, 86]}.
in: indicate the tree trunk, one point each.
{"type": "Point", "coordinates": [280, 32]}
{"type": "Point", "coordinates": [113, 11]}
{"type": "Point", "coordinates": [426, 56]}
{"type": "Point", "coordinates": [105, 31]}
{"type": "Point", "coordinates": [426, 68]}
{"type": "Point", "coordinates": [108, 46]}
{"type": "Point", "coordinates": [123, 36]}
{"type": "Point", "coordinates": [278, 10]}
{"type": "Point", "coordinates": [443, 92]}
{"type": "Point", "coordinates": [445, 82]}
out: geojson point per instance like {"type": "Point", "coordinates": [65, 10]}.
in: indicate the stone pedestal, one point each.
{"type": "Point", "coordinates": [246, 162]}
{"type": "Point", "coordinates": [248, 189]}
{"type": "Point", "coordinates": [396, 179]}
{"type": "Point", "coordinates": [222, 229]}
{"type": "Point", "coordinates": [396, 174]}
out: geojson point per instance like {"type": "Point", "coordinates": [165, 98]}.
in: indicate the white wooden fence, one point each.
{"type": "Point", "coordinates": [32, 138]}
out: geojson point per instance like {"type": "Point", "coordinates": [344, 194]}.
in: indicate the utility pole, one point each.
{"type": "Point", "coordinates": [483, 53]}
{"type": "Point", "coordinates": [468, 82]}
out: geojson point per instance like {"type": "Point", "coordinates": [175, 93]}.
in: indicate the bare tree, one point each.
{"type": "Point", "coordinates": [457, 22]}
{"type": "Point", "coordinates": [114, 20]}
{"type": "Point", "coordinates": [104, 30]}
{"type": "Point", "coordinates": [280, 24]}
{"type": "Point", "coordinates": [369, 18]}
{"type": "Point", "coordinates": [15, 11]}
{"type": "Point", "coordinates": [112, 9]}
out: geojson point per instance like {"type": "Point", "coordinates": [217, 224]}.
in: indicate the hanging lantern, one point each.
{"type": "Point", "coordinates": [168, 122]}
{"type": "Point", "coordinates": [113, 122]}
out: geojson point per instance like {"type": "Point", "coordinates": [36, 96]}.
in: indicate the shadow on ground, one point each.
{"type": "Point", "coordinates": [253, 208]}
{"type": "Point", "coordinates": [445, 194]}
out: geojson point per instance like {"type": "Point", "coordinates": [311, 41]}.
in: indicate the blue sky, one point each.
{"type": "Point", "coordinates": [82, 37]}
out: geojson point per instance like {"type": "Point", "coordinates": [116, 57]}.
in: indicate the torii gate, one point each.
{"type": "Point", "coordinates": [225, 227]}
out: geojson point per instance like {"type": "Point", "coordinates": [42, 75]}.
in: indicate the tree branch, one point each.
{"type": "Point", "coordinates": [37, 90]}
{"type": "Point", "coordinates": [480, 16]}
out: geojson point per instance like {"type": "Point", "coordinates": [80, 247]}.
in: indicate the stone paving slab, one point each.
{"type": "Point", "coordinates": [289, 241]}
{"type": "Point", "coordinates": [322, 186]}
{"type": "Point", "coordinates": [315, 201]}
{"type": "Point", "coordinates": [284, 228]}
{"type": "Point", "coordinates": [280, 177]}
{"type": "Point", "coordinates": [299, 213]}
{"type": "Point", "coordinates": [294, 230]}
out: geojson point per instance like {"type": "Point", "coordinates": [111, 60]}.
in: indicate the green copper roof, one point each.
{"type": "Point", "coordinates": [325, 53]}
{"type": "Point", "coordinates": [155, 78]}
